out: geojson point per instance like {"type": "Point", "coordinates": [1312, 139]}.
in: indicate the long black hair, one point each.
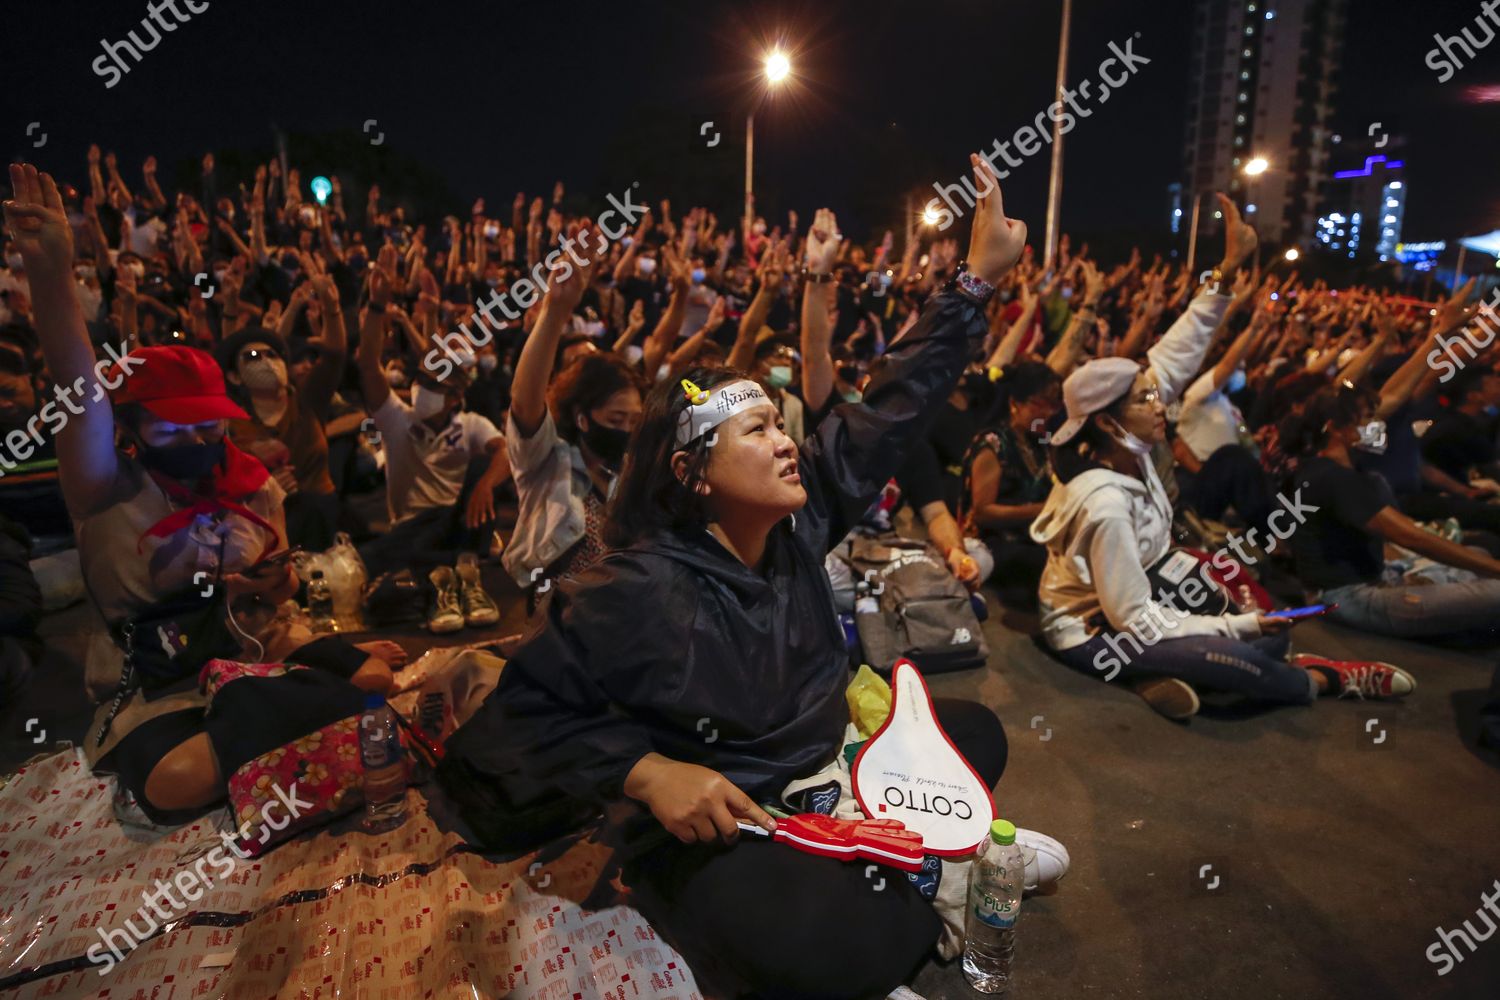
{"type": "Point", "coordinates": [1019, 382]}
{"type": "Point", "coordinates": [1340, 405]}
{"type": "Point", "coordinates": [586, 384]}
{"type": "Point", "coordinates": [1081, 452]}
{"type": "Point", "coordinates": [648, 495]}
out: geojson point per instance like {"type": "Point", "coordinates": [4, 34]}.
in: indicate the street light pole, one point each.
{"type": "Point", "coordinates": [1193, 231]}
{"type": "Point", "coordinates": [1054, 184]}
{"type": "Point", "coordinates": [749, 170]}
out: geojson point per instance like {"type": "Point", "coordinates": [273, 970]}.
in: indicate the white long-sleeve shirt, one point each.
{"type": "Point", "coordinates": [1103, 529]}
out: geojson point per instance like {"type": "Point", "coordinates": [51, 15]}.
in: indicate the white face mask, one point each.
{"type": "Point", "coordinates": [264, 373]}
{"type": "Point", "coordinates": [648, 265]}
{"type": "Point", "coordinates": [13, 261]}
{"type": "Point", "coordinates": [488, 362]}
{"type": "Point", "coordinates": [1131, 443]}
{"type": "Point", "coordinates": [425, 402]}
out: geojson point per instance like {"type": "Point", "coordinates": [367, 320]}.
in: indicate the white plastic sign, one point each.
{"type": "Point", "coordinates": [911, 771]}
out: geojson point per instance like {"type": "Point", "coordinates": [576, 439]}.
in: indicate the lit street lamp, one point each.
{"type": "Point", "coordinates": [778, 68]}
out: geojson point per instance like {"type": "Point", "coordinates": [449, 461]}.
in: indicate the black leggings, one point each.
{"type": "Point", "coordinates": [760, 919]}
{"type": "Point", "coordinates": [248, 718]}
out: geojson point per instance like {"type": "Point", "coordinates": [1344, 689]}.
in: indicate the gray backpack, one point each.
{"type": "Point", "coordinates": [909, 605]}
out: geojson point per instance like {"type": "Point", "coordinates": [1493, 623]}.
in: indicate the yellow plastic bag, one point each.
{"type": "Point", "coordinates": [869, 698]}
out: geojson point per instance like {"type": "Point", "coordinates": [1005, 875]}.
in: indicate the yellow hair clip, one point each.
{"type": "Point", "coordinates": [695, 395]}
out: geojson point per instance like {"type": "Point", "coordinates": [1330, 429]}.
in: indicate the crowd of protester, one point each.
{"type": "Point", "coordinates": [1060, 434]}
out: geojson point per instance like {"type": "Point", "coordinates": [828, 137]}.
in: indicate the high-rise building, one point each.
{"type": "Point", "coordinates": [1365, 206]}
{"type": "Point", "coordinates": [1263, 81]}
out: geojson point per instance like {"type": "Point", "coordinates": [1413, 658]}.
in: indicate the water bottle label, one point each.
{"type": "Point", "coordinates": [996, 911]}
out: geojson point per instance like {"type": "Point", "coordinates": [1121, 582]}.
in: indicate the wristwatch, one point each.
{"type": "Point", "coordinates": [968, 283]}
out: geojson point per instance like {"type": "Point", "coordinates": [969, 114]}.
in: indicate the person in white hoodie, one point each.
{"type": "Point", "coordinates": [1107, 522]}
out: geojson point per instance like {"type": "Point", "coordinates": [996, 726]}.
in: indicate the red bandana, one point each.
{"type": "Point", "coordinates": [237, 478]}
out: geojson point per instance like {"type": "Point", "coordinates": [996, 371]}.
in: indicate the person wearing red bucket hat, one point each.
{"type": "Point", "coordinates": [174, 526]}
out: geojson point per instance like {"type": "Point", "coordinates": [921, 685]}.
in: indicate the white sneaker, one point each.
{"type": "Point", "coordinates": [1046, 860]}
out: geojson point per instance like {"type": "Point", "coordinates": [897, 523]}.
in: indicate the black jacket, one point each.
{"type": "Point", "coordinates": [675, 646]}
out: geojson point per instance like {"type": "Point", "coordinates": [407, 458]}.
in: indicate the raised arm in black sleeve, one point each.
{"type": "Point", "coordinates": [859, 446]}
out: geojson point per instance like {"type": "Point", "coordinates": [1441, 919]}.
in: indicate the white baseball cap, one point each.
{"type": "Point", "coordinates": [1090, 389]}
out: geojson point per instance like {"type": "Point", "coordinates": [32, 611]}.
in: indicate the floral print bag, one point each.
{"type": "Point", "coordinates": [302, 783]}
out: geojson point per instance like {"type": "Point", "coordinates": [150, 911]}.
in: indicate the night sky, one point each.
{"type": "Point", "coordinates": [499, 96]}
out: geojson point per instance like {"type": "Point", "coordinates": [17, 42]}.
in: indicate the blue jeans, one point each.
{"type": "Point", "coordinates": [1256, 669]}
{"type": "Point", "coordinates": [1433, 609]}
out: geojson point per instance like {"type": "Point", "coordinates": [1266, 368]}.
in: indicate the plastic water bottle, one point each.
{"type": "Point", "coordinates": [995, 882]}
{"type": "Point", "coordinates": [385, 766]}
{"type": "Point", "coordinates": [320, 603]}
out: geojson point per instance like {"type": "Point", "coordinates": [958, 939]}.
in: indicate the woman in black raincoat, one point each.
{"type": "Point", "coordinates": [701, 666]}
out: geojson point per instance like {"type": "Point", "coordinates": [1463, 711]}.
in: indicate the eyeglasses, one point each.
{"type": "Point", "coordinates": [1147, 397]}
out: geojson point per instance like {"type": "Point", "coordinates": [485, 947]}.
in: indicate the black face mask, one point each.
{"type": "Point", "coordinates": [607, 442]}
{"type": "Point", "coordinates": [849, 373]}
{"type": "Point", "coordinates": [184, 462]}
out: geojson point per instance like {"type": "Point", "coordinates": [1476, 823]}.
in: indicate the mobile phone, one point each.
{"type": "Point", "coordinates": [1297, 614]}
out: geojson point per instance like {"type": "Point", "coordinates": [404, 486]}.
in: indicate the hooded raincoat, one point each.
{"type": "Point", "coordinates": [675, 646]}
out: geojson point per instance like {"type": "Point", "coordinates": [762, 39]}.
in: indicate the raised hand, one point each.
{"type": "Point", "coordinates": [37, 222]}
{"type": "Point", "coordinates": [566, 289]}
{"type": "Point", "coordinates": [823, 242]}
{"type": "Point", "coordinates": [996, 242]}
{"type": "Point", "coordinates": [1239, 238]}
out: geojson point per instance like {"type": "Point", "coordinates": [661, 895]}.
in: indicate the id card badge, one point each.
{"type": "Point", "coordinates": [1175, 568]}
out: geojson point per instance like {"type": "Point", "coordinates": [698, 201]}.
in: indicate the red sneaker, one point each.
{"type": "Point", "coordinates": [1362, 678]}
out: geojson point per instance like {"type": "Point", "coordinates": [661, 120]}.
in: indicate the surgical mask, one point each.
{"type": "Point", "coordinates": [219, 275]}
{"type": "Point", "coordinates": [395, 377]}
{"type": "Point", "coordinates": [607, 442]}
{"type": "Point", "coordinates": [184, 462]}
{"type": "Point", "coordinates": [13, 261]}
{"type": "Point", "coordinates": [1067, 293]}
{"type": "Point", "coordinates": [698, 275]}
{"type": "Point", "coordinates": [758, 228]}
{"type": "Point", "coordinates": [1372, 437]}
{"type": "Point", "coordinates": [85, 272]}
{"type": "Point", "coordinates": [264, 373]}
{"type": "Point", "coordinates": [1131, 443]}
{"type": "Point", "coordinates": [1005, 294]}
{"type": "Point", "coordinates": [1236, 381]}
{"type": "Point", "coordinates": [492, 282]}
{"type": "Point", "coordinates": [853, 396]}
{"type": "Point", "coordinates": [648, 265]}
{"type": "Point", "coordinates": [488, 362]}
{"type": "Point", "coordinates": [425, 402]}
{"type": "Point", "coordinates": [780, 376]}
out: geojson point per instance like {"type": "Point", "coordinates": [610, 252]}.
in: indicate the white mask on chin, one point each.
{"type": "Point", "coordinates": [425, 402]}
{"type": "Point", "coordinates": [1131, 443]}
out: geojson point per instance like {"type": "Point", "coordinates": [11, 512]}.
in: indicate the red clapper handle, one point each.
{"type": "Point", "coordinates": [882, 841]}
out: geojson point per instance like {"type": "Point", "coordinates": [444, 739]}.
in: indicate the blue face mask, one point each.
{"type": "Point", "coordinates": [1491, 410]}
{"type": "Point", "coordinates": [1236, 381]}
{"type": "Point", "coordinates": [698, 275]}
